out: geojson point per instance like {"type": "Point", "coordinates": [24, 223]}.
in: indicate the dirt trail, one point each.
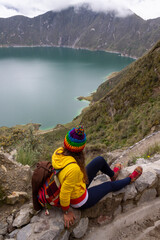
{"type": "Point", "coordinates": [142, 223]}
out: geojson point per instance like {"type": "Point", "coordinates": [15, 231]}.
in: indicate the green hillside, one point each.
{"type": "Point", "coordinates": [129, 109]}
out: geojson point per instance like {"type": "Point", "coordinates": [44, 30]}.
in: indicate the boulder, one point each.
{"type": "Point", "coordinates": [147, 195]}
{"type": "Point", "coordinates": [23, 217]}
{"type": "Point", "coordinates": [81, 228]}
{"type": "Point", "coordinates": [15, 197]}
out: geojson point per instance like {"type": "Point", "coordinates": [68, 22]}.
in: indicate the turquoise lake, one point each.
{"type": "Point", "coordinates": [41, 85]}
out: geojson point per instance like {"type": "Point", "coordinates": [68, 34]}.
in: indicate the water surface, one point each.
{"type": "Point", "coordinates": [40, 85]}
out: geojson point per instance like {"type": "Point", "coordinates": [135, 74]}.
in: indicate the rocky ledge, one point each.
{"type": "Point", "coordinates": [22, 223]}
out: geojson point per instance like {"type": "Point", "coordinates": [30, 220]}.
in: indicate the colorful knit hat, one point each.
{"type": "Point", "coordinates": [75, 139]}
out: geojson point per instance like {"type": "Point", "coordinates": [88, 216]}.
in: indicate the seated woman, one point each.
{"type": "Point", "coordinates": [75, 178]}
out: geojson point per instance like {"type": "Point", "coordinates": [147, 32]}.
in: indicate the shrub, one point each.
{"type": "Point", "coordinates": [26, 157]}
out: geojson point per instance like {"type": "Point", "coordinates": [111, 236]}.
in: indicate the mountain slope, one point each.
{"type": "Point", "coordinates": [82, 28]}
{"type": "Point", "coordinates": [129, 110]}
{"type": "Point", "coordinates": [124, 110]}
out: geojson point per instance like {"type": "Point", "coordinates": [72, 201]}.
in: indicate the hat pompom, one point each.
{"type": "Point", "coordinates": [75, 139]}
{"type": "Point", "coordinates": [79, 130]}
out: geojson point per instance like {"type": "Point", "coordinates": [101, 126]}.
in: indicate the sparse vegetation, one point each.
{"type": "Point", "coordinates": [152, 150]}
{"type": "Point", "coordinates": [29, 151]}
{"type": "Point", "coordinates": [10, 137]}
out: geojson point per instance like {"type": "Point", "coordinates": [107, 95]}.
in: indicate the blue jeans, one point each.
{"type": "Point", "coordinates": [96, 193]}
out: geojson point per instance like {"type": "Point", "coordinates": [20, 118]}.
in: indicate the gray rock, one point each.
{"type": "Point", "coordinates": [41, 226]}
{"type": "Point", "coordinates": [55, 218]}
{"type": "Point", "coordinates": [10, 219]}
{"type": "Point", "coordinates": [23, 217]}
{"type": "Point", "coordinates": [3, 228]}
{"type": "Point", "coordinates": [127, 207]}
{"type": "Point", "coordinates": [141, 185]}
{"type": "Point", "coordinates": [45, 227]}
{"type": "Point", "coordinates": [156, 157]}
{"type": "Point", "coordinates": [35, 219]}
{"type": "Point", "coordinates": [142, 161]}
{"type": "Point", "coordinates": [10, 222]}
{"type": "Point", "coordinates": [148, 195]}
{"type": "Point", "coordinates": [124, 173]}
{"type": "Point", "coordinates": [157, 172]}
{"type": "Point", "coordinates": [65, 235]}
{"type": "Point", "coordinates": [1, 237]}
{"type": "Point", "coordinates": [99, 179]}
{"type": "Point", "coordinates": [25, 233]}
{"type": "Point", "coordinates": [11, 155]}
{"type": "Point", "coordinates": [50, 234]}
{"type": "Point", "coordinates": [147, 179]}
{"type": "Point", "coordinates": [130, 192]}
{"type": "Point", "coordinates": [14, 233]}
{"type": "Point", "coordinates": [81, 228]}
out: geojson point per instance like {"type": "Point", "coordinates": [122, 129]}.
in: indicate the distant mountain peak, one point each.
{"type": "Point", "coordinates": [117, 12]}
{"type": "Point", "coordinates": [81, 26]}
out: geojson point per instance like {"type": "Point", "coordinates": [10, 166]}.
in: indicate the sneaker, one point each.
{"type": "Point", "coordinates": [117, 168]}
{"type": "Point", "coordinates": [136, 173]}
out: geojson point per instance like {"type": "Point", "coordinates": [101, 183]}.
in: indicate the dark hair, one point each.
{"type": "Point", "coordinates": [80, 159]}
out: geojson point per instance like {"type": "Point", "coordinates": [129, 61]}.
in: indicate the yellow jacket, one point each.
{"type": "Point", "coordinates": [71, 178]}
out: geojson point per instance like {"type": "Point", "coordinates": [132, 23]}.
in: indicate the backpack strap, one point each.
{"type": "Point", "coordinates": [63, 167]}
{"type": "Point", "coordinates": [56, 171]}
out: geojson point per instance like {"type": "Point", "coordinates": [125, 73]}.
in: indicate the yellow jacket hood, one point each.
{"type": "Point", "coordinates": [59, 160]}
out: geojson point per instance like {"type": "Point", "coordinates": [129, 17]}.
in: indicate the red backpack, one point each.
{"type": "Point", "coordinates": [42, 171]}
{"type": "Point", "coordinates": [46, 185]}
{"type": "Point", "coordinates": [48, 194]}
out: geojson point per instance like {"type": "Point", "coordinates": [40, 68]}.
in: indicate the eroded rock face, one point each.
{"type": "Point", "coordinates": [14, 177]}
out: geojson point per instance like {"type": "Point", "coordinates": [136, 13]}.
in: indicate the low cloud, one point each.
{"type": "Point", "coordinates": [30, 8]}
{"type": "Point", "coordinates": [33, 8]}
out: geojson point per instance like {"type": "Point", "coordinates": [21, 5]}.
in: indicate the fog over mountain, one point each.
{"type": "Point", "coordinates": [82, 28]}
{"type": "Point", "coordinates": [147, 9]}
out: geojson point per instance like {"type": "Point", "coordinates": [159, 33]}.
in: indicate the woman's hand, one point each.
{"type": "Point", "coordinates": [69, 219]}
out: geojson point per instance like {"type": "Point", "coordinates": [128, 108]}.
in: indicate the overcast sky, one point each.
{"type": "Point", "coordinates": [146, 9]}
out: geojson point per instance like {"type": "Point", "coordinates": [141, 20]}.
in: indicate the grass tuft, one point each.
{"type": "Point", "coordinates": [26, 157]}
